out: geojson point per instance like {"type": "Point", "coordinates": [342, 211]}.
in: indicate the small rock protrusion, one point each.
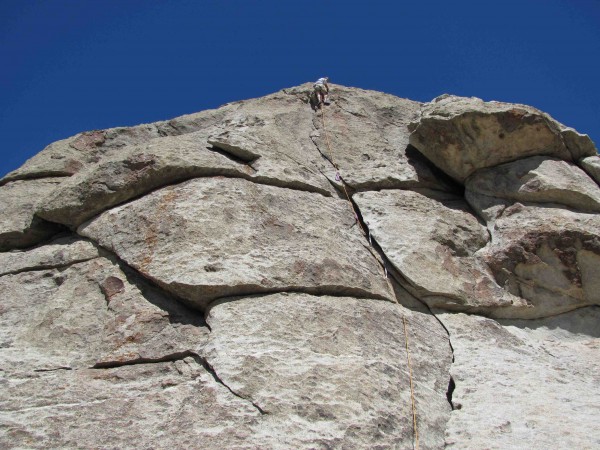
{"type": "Point", "coordinates": [112, 286]}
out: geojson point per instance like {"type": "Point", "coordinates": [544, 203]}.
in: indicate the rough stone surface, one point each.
{"type": "Point", "coordinates": [580, 145]}
{"type": "Point", "coordinates": [164, 405]}
{"type": "Point", "coordinates": [62, 251]}
{"type": "Point", "coordinates": [548, 256]}
{"type": "Point", "coordinates": [133, 172]}
{"type": "Point", "coordinates": [525, 384]}
{"type": "Point", "coordinates": [69, 156]}
{"type": "Point", "coordinates": [19, 200]}
{"type": "Point", "coordinates": [461, 135]}
{"type": "Point", "coordinates": [331, 372]}
{"type": "Point", "coordinates": [272, 134]}
{"type": "Point", "coordinates": [591, 165]}
{"type": "Point", "coordinates": [87, 314]}
{"type": "Point", "coordinates": [434, 253]}
{"type": "Point", "coordinates": [81, 350]}
{"type": "Point", "coordinates": [273, 275]}
{"type": "Point", "coordinates": [367, 137]}
{"type": "Point", "coordinates": [538, 179]}
{"type": "Point", "coordinates": [216, 237]}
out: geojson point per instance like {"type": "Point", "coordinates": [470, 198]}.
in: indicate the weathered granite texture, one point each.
{"type": "Point", "coordinates": [461, 135]}
{"type": "Point", "coordinates": [525, 384]}
{"type": "Point", "coordinates": [210, 238]}
{"type": "Point", "coordinates": [19, 226]}
{"type": "Point", "coordinates": [380, 273]}
{"type": "Point", "coordinates": [538, 179]}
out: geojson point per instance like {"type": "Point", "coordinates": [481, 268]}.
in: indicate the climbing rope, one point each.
{"type": "Point", "coordinates": [338, 176]}
{"type": "Point", "coordinates": [412, 392]}
{"type": "Point", "coordinates": [368, 235]}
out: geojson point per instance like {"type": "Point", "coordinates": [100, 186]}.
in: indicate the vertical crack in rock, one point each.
{"type": "Point", "coordinates": [313, 140]}
{"type": "Point", "coordinates": [388, 268]}
{"type": "Point", "coordinates": [450, 391]}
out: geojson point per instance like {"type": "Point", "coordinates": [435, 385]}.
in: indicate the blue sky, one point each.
{"type": "Point", "coordinates": [76, 65]}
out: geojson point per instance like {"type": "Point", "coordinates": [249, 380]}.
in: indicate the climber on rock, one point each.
{"type": "Point", "coordinates": [322, 90]}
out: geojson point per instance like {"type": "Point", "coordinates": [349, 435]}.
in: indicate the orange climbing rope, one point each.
{"type": "Point", "coordinates": [412, 392]}
{"type": "Point", "coordinates": [410, 373]}
{"type": "Point", "coordinates": [330, 158]}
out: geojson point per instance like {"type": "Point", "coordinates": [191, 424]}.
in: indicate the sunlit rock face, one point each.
{"type": "Point", "coordinates": [378, 273]}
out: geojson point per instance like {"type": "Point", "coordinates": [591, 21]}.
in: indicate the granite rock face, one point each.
{"type": "Point", "coordinates": [317, 365]}
{"type": "Point", "coordinates": [269, 274]}
{"type": "Point", "coordinates": [591, 165]}
{"type": "Point", "coordinates": [548, 256]}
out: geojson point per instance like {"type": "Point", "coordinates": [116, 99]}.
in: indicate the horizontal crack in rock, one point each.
{"type": "Point", "coordinates": [34, 176]}
{"type": "Point", "coordinates": [178, 356]}
{"type": "Point", "coordinates": [318, 291]}
{"type": "Point", "coordinates": [216, 148]}
{"type": "Point", "coordinates": [130, 362]}
{"type": "Point", "coordinates": [47, 266]}
{"type": "Point", "coordinates": [53, 369]}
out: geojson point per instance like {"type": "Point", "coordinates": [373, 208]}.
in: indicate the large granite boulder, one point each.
{"type": "Point", "coordinates": [591, 165]}
{"type": "Point", "coordinates": [273, 275]}
{"type": "Point", "coordinates": [461, 135]}
{"type": "Point", "coordinates": [548, 256]}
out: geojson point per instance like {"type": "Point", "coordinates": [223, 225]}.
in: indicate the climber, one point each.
{"type": "Point", "coordinates": [322, 90]}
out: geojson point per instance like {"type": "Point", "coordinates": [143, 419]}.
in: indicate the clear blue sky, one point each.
{"type": "Point", "coordinates": [76, 65]}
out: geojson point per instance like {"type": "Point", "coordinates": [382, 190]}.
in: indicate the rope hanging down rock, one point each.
{"type": "Point", "coordinates": [412, 393]}
{"type": "Point", "coordinates": [367, 234]}
{"type": "Point", "coordinates": [337, 175]}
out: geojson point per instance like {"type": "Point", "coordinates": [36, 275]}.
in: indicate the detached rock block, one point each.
{"type": "Point", "coordinates": [462, 135]}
